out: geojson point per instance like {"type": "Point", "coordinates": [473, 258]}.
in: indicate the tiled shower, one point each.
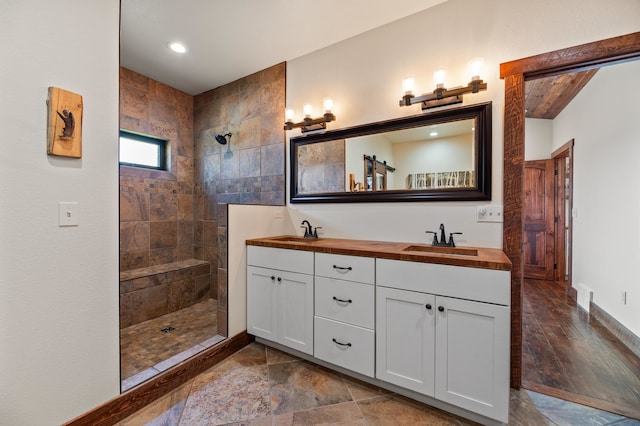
{"type": "Point", "coordinates": [173, 223]}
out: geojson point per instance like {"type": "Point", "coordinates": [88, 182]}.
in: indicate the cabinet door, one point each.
{"type": "Point", "coordinates": [405, 330]}
{"type": "Point", "coordinates": [472, 356]}
{"type": "Point", "coordinates": [262, 302]}
{"type": "Point", "coordinates": [295, 311]}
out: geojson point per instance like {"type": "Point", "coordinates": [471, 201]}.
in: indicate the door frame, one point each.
{"type": "Point", "coordinates": [564, 243]}
{"type": "Point", "coordinates": [586, 56]}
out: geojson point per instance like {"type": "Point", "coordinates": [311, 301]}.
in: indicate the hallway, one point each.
{"type": "Point", "coordinates": [568, 355]}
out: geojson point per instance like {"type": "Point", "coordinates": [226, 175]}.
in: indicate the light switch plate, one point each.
{"type": "Point", "coordinates": [489, 213]}
{"type": "Point", "coordinates": [68, 214]}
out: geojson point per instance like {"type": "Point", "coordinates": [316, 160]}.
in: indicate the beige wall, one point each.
{"type": "Point", "coordinates": [59, 351]}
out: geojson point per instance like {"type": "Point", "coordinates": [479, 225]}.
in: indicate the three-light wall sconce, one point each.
{"type": "Point", "coordinates": [309, 124]}
{"type": "Point", "coordinates": [442, 96]}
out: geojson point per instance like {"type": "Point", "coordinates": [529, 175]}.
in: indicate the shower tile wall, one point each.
{"type": "Point", "coordinates": [156, 207]}
{"type": "Point", "coordinates": [250, 169]}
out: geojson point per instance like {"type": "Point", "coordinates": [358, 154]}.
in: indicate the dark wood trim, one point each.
{"type": "Point", "coordinates": [133, 400]}
{"type": "Point", "coordinates": [513, 211]}
{"type": "Point", "coordinates": [562, 149]}
{"type": "Point", "coordinates": [584, 400]}
{"type": "Point", "coordinates": [590, 55]}
{"type": "Point", "coordinates": [481, 112]}
{"type": "Point", "coordinates": [576, 58]}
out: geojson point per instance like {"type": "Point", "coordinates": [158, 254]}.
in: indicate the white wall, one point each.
{"type": "Point", "coordinates": [363, 75]}
{"type": "Point", "coordinates": [538, 136]}
{"type": "Point", "coordinates": [59, 352]}
{"type": "Point", "coordinates": [606, 229]}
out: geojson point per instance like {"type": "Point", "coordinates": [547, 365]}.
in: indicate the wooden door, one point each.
{"type": "Point", "coordinates": [538, 238]}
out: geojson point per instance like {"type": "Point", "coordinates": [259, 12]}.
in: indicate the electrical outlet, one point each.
{"type": "Point", "coordinates": [277, 214]}
{"type": "Point", "coordinates": [489, 213]}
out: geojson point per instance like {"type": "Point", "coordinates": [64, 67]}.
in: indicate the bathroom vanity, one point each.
{"type": "Point", "coordinates": [428, 322]}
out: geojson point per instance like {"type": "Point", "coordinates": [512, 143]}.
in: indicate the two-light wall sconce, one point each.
{"type": "Point", "coordinates": [442, 96]}
{"type": "Point", "coordinates": [309, 124]}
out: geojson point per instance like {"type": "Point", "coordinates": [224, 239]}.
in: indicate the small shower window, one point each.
{"type": "Point", "coordinates": [140, 150]}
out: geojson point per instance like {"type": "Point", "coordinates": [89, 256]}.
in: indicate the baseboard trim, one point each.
{"type": "Point", "coordinates": [134, 399]}
{"type": "Point", "coordinates": [623, 334]}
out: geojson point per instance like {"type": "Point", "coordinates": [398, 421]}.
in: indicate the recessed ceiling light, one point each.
{"type": "Point", "coordinates": [177, 47]}
{"type": "Point", "coordinates": [432, 134]}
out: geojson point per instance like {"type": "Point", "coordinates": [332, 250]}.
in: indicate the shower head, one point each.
{"type": "Point", "coordinates": [222, 139]}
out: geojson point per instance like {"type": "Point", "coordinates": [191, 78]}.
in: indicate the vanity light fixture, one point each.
{"type": "Point", "coordinates": [309, 124]}
{"type": "Point", "coordinates": [442, 96]}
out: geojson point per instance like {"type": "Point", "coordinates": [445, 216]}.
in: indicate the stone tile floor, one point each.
{"type": "Point", "coordinates": [262, 386]}
{"type": "Point", "coordinates": [145, 350]}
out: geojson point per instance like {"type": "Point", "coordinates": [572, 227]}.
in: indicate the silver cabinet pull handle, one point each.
{"type": "Point", "coordinates": [341, 344]}
{"type": "Point", "coordinates": [342, 300]}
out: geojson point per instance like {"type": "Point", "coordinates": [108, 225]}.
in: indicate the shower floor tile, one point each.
{"type": "Point", "coordinates": [144, 345]}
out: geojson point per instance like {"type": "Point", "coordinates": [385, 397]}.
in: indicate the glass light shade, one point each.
{"type": "Point", "coordinates": [438, 78]}
{"type": "Point", "coordinates": [408, 85]}
{"type": "Point", "coordinates": [288, 115]}
{"type": "Point", "coordinates": [307, 110]}
{"type": "Point", "coordinates": [328, 106]}
{"type": "Point", "coordinates": [476, 68]}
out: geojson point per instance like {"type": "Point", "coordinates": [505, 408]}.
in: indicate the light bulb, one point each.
{"type": "Point", "coordinates": [408, 85]}
{"type": "Point", "coordinates": [288, 115]}
{"type": "Point", "coordinates": [307, 110]}
{"type": "Point", "coordinates": [328, 106]}
{"type": "Point", "coordinates": [476, 67]}
{"type": "Point", "coordinates": [438, 78]}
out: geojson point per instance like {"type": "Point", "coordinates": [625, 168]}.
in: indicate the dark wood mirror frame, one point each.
{"type": "Point", "coordinates": [515, 73]}
{"type": "Point", "coordinates": [482, 191]}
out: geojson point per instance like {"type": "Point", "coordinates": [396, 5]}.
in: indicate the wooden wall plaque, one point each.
{"type": "Point", "coordinates": [64, 123]}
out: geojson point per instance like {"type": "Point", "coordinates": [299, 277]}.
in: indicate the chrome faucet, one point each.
{"type": "Point", "coordinates": [309, 231]}
{"type": "Point", "coordinates": [443, 237]}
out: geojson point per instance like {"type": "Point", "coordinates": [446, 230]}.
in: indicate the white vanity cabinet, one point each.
{"type": "Point", "coordinates": [443, 331]}
{"type": "Point", "coordinates": [344, 311]}
{"type": "Point", "coordinates": [280, 296]}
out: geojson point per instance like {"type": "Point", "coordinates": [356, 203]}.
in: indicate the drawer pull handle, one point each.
{"type": "Point", "coordinates": [272, 278]}
{"type": "Point", "coordinates": [342, 300]}
{"type": "Point", "coordinates": [279, 279]}
{"type": "Point", "coordinates": [441, 308]}
{"type": "Point", "coordinates": [428, 306]}
{"type": "Point", "coordinates": [342, 268]}
{"type": "Point", "coordinates": [341, 344]}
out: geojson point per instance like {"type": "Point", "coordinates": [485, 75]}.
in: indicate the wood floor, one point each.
{"type": "Point", "coordinates": [570, 356]}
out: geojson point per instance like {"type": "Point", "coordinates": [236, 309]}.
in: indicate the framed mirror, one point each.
{"type": "Point", "coordinates": [436, 156]}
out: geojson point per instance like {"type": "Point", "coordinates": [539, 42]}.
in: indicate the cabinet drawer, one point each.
{"type": "Point", "coordinates": [345, 301]}
{"type": "Point", "coordinates": [342, 267]}
{"type": "Point", "coordinates": [483, 285]}
{"type": "Point", "coordinates": [282, 259]}
{"type": "Point", "coordinates": [345, 345]}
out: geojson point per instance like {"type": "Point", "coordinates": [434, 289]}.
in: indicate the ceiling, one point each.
{"type": "Point", "coordinates": [228, 40]}
{"type": "Point", "coordinates": [547, 97]}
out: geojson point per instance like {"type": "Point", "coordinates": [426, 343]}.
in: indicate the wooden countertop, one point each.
{"type": "Point", "coordinates": [472, 257]}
